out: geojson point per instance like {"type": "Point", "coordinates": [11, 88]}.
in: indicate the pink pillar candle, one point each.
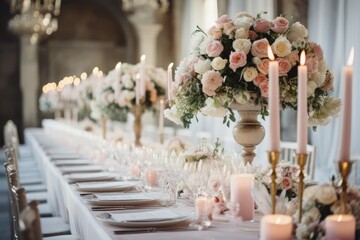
{"type": "Point", "coordinates": [274, 104]}
{"type": "Point", "coordinates": [151, 177]}
{"type": "Point", "coordinates": [201, 207]}
{"type": "Point", "coordinates": [135, 170]}
{"type": "Point", "coordinates": [142, 76]}
{"type": "Point", "coordinates": [340, 227]}
{"type": "Point", "coordinates": [275, 227]}
{"type": "Point", "coordinates": [241, 196]}
{"type": "Point", "coordinates": [302, 116]}
{"type": "Point", "coordinates": [345, 134]}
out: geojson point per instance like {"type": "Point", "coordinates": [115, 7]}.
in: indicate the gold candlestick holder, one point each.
{"type": "Point", "coordinates": [345, 170]}
{"type": "Point", "coordinates": [273, 160]}
{"type": "Point", "coordinates": [301, 161]}
{"type": "Point", "coordinates": [137, 124]}
{"type": "Point", "coordinates": [103, 122]}
{"type": "Point", "coordinates": [161, 136]}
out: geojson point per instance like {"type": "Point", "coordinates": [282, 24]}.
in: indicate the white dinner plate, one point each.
{"type": "Point", "coordinates": [81, 169]}
{"type": "Point", "coordinates": [104, 186]}
{"type": "Point", "coordinates": [73, 162]}
{"type": "Point", "coordinates": [106, 217]}
{"type": "Point", "coordinates": [89, 177]}
{"type": "Point", "coordinates": [120, 199]}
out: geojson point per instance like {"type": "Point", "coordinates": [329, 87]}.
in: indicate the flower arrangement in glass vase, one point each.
{"type": "Point", "coordinates": [229, 66]}
{"type": "Point", "coordinates": [49, 101]}
{"type": "Point", "coordinates": [321, 201]}
{"type": "Point", "coordinates": [85, 95]}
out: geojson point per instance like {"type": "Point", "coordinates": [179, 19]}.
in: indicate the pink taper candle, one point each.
{"type": "Point", "coordinates": [274, 103]}
{"type": "Point", "coordinates": [302, 116]}
{"type": "Point", "coordinates": [142, 76]}
{"type": "Point", "coordinates": [170, 79]}
{"type": "Point", "coordinates": [161, 116]}
{"type": "Point", "coordinates": [345, 134]}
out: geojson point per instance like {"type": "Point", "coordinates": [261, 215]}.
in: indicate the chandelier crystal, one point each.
{"type": "Point", "coordinates": [34, 18]}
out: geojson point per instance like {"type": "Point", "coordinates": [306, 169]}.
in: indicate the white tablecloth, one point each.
{"type": "Point", "coordinates": [67, 203]}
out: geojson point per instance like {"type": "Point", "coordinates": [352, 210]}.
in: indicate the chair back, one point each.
{"type": "Point", "coordinates": [29, 222]}
{"type": "Point", "coordinates": [11, 136]}
{"type": "Point", "coordinates": [288, 153]}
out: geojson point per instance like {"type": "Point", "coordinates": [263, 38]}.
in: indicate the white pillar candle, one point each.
{"type": "Point", "coordinates": [170, 81]}
{"type": "Point", "coordinates": [275, 227]}
{"type": "Point", "coordinates": [142, 76]}
{"type": "Point", "coordinates": [137, 89]}
{"type": "Point", "coordinates": [274, 103]}
{"type": "Point", "coordinates": [161, 117]}
{"type": "Point", "coordinates": [201, 207]}
{"type": "Point", "coordinates": [241, 186]}
{"type": "Point", "coordinates": [302, 116]}
{"type": "Point", "coordinates": [340, 227]}
{"type": "Point", "coordinates": [151, 177]}
{"type": "Point", "coordinates": [345, 135]}
{"type": "Point", "coordinates": [117, 80]}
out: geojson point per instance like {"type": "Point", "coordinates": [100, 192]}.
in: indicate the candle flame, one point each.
{"type": "Point", "coordinates": [270, 54]}
{"type": "Point", "coordinates": [83, 76]}
{"type": "Point", "coordinates": [45, 89]}
{"type": "Point", "coordinates": [118, 66]}
{"type": "Point", "coordinates": [170, 65]}
{"type": "Point", "coordinates": [302, 57]}
{"type": "Point", "coordinates": [278, 220]}
{"type": "Point", "coordinates": [339, 218]}
{"type": "Point", "coordinates": [161, 102]}
{"type": "Point", "coordinates": [143, 57]}
{"type": "Point", "coordinates": [95, 70]}
{"type": "Point", "coordinates": [137, 76]}
{"type": "Point", "coordinates": [76, 81]}
{"type": "Point", "coordinates": [100, 74]}
{"type": "Point", "coordinates": [351, 57]}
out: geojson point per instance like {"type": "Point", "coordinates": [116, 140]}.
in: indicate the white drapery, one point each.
{"type": "Point", "coordinates": [334, 25]}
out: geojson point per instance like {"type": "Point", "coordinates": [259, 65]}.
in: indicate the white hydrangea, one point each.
{"type": "Point", "coordinates": [297, 31]}
{"type": "Point", "coordinates": [173, 115]}
{"type": "Point", "coordinates": [213, 108]}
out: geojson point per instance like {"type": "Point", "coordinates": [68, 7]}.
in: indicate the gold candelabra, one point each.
{"type": "Point", "coordinates": [345, 170]}
{"type": "Point", "coordinates": [273, 159]}
{"type": "Point", "coordinates": [137, 124]}
{"type": "Point", "coordinates": [301, 160]}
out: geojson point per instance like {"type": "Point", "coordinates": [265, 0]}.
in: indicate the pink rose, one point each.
{"type": "Point", "coordinates": [263, 66]}
{"type": "Point", "coordinates": [293, 57]}
{"type": "Point", "coordinates": [287, 183]}
{"type": "Point", "coordinates": [284, 66]}
{"type": "Point", "coordinates": [237, 59]}
{"type": "Point", "coordinates": [215, 32]}
{"type": "Point", "coordinates": [279, 24]}
{"type": "Point", "coordinates": [229, 28]}
{"type": "Point", "coordinates": [222, 20]}
{"type": "Point", "coordinates": [252, 35]}
{"type": "Point", "coordinates": [211, 80]}
{"type": "Point", "coordinates": [312, 65]}
{"type": "Point", "coordinates": [264, 88]}
{"type": "Point", "coordinates": [184, 78]}
{"type": "Point", "coordinates": [318, 52]}
{"type": "Point", "coordinates": [329, 83]}
{"type": "Point", "coordinates": [259, 48]}
{"type": "Point", "coordinates": [261, 25]}
{"type": "Point", "coordinates": [214, 48]}
{"type": "Point", "coordinates": [259, 79]}
{"type": "Point", "coordinates": [153, 95]}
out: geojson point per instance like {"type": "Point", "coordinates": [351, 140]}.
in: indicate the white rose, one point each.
{"type": "Point", "coordinates": [311, 86]}
{"type": "Point", "coordinates": [213, 109]}
{"type": "Point", "coordinates": [128, 83]}
{"type": "Point", "coordinates": [250, 73]}
{"type": "Point", "coordinates": [242, 97]}
{"type": "Point", "coordinates": [243, 22]}
{"type": "Point", "coordinates": [173, 115]}
{"type": "Point", "coordinates": [281, 47]}
{"type": "Point", "coordinates": [326, 194]}
{"type": "Point", "coordinates": [197, 40]}
{"type": "Point", "coordinates": [128, 95]}
{"type": "Point", "coordinates": [203, 45]}
{"type": "Point", "coordinates": [297, 31]}
{"type": "Point", "coordinates": [242, 45]}
{"type": "Point", "coordinates": [242, 33]}
{"type": "Point", "coordinates": [202, 66]}
{"type": "Point", "coordinates": [322, 67]}
{"type": "Point", "coordinates": [95, 110]}
{"type": "Point", "coordinates": [318, 78]}
{"type": "Point", "coordinates": [218, 63]}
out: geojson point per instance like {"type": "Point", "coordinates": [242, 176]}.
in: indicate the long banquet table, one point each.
{"type": "Point", "coordinates": [66, 202]}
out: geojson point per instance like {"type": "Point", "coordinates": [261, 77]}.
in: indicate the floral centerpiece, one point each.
{"type": "Point", "coordinates": [229, 65]}
{"type": "Point", "coordinates": [321, 201]}
{"type": "Point", "coordinates": [49, 101]}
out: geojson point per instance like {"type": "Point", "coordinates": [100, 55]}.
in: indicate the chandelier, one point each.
{"type": "Point", "coordinates": [131, 5]}
{"type": "Point", "coordinates": [34, 18]}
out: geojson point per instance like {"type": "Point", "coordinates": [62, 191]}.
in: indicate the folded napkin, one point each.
{"type": "Point", "coordinates": [155, 215]}
{"type": "Point", "coordinates": [86, 168]}
{"type": "Point", "coordinates": [90, 176]}
{"type": "Point", "coordinates": [124, 197]}
{"type": "Point", "coordinates": [104, 184]}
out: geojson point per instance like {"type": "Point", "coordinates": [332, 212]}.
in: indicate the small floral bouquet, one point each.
{"type": "Point", "coordinates": [85, 95]}
{"type": "Point", "coordinates": [176, 145]}
{"type": "Point", "coordinates": [320, 201]}
{"type": "Point", "coordinates": [204, 152]}
{"type": "Point", "coordinates": [49, 102]}
{"type": "Point", "coordinates": [230, 65]}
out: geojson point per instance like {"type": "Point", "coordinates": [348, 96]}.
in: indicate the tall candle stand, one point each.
{"type": "Point", "coordinates": [345, 170]}
{"type": "Point", "coordinates": [137, 124]}
{"type": "Point", "coordinates": [161, 136]}
{"type": "Point", "coordinates": [301, 160]}
{"type": "Point", "coordinates": [273, 159]}
{"type": "Point", "coordinates": [103, 122]}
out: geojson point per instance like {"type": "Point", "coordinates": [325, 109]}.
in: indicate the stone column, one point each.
{"type": "Point", "coordinates": [29, 81]}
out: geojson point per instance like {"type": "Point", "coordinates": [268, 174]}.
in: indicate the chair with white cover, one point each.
{"type": "Point", "coordinates": [288, 153]}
